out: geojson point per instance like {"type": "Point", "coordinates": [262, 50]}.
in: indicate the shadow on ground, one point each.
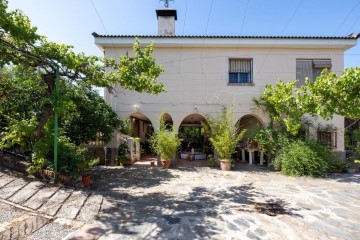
{"type": "Point", "coordinates": [347, 178]}
{"type": "Point", "coordinates": [110, 178]}
{"type": "Point", "coordinates": [202, 214]}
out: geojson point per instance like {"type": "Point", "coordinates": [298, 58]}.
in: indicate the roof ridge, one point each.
{"type": "Point", "coordinates": [351, 36]}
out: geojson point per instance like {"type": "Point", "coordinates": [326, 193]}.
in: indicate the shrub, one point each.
{"type": "Point", "coordinates": [305, 158]}
{"type": "Point", "coordinates": [212, 162]}
{"type": "Point", "coordinates": [337, 165]}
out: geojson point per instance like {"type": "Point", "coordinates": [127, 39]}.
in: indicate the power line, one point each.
{"type": "Point", "coordinates": [208, 19]}
{"type": "Point", "coordinates": [351, 11]}
{"type": "Point", "coordinates": [292, 16]}
{"type": "Point", "coordinates": [97, 13]}
{"type": "Point", "coordinates": [242, 25]}
{"type": "Point", "coordinates": [202, 50]}
{"type": "Point", "coordinates": [285, 26]}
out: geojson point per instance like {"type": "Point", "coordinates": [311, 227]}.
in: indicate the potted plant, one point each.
{"type": "Point", "coordinates": [165, 143]}
{"type": "Point", "coordinates": [84, 166]}
{"type": "Point", "coordinates": [224, 136]}
{"type": "Point", "coordinates": [337, 166]}
{"type": "Point", "coordinates": [351, 167]}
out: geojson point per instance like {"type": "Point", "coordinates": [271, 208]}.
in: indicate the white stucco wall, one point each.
{"type": "Point", "coordinates": [196, 79]}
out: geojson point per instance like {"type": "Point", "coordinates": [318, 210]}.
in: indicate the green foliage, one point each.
{"type": "Point", "coordinates": [224, 135]}
{"type": "Point", "coordinates": [337, 165]}
{"type": "Point", "coordinates": [165, 142]}
{"type": "Point", "coordinates": [88, 117]}
{"type": "Point", "coordinates": [27, 101]}
{"type": "Point", "coordinates": [123, 152]}
{"type": "Point", "coordinates": [212, 162]}
{"type": "Point", "coordinates": [84, 165]}
{"type": "Point", "coordinates": [84, 115]}
{"type": "Point", "coordinates": [125, 127]}
{"type": "Point", "coordinates": [283, 105]}
{"type": "Point", "coordinates": [37, 165]}
{"type": "Point", "coordinates": [191, 136]}
{"type": "Point", "coordinates": [271, 140]}
{"type": "Point", "coordinates": [287, 104]}
{"type": "Point", "coordinates": [304, 158]}
{"type": "Point", "coordinates": [17, 133]}
{"type": "Point", "coordinates": [328, 89]}
{"type": "Point", "coordinates": [21, 45]}
{"type": "Point", "coordinates": [141, 69]}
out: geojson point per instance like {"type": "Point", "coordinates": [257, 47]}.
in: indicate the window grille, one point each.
{"type": "Point", "coordinates": [240, 71]}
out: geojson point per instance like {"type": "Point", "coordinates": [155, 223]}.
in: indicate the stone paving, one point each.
{"type": "Point", "coordinates": [143, 202]}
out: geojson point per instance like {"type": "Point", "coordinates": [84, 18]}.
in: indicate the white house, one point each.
{"type": "Point", "coordinates": [203, 74]}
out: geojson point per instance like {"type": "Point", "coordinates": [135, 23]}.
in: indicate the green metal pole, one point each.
{"type": "Point", "coordinates": [56, 121]}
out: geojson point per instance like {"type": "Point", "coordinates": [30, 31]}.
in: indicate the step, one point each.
{"type": "Point", "coordinates": [17, 223]}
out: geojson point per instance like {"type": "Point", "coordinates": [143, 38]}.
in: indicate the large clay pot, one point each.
{"type": "Point", "coordinates": [165, 164]}
{"type": "Point", "coordinates": [86, 180]}
{"type": "Point", "coordinates": [225, 165]}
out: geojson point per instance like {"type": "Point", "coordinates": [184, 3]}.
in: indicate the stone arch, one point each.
{"type": "Point", "coordinates": [249, 148]}
{"type": "Point", "coordinates": [168, 121]}
{"type": "Point", "coordinates": [140, 125]}
{"type": "Point", "coordinates": [250, 122]}
{"type": "Point", "coordinates": [191, 130]}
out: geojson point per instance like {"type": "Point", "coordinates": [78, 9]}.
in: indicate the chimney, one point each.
{"type": "Point", "coordinates": [166, 21]}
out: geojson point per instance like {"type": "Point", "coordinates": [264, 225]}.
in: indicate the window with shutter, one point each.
{"type": "Point", "coordinates": [310, 68]}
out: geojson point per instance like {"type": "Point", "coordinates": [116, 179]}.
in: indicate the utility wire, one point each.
{"type": "Point", "coordinates": [343, 22]}
{"type": "Point", "coordinates": [242, 25]}
{"type": "Point", "coordinates": [285, 26]}
{"type": "Point", "coordinates": [97, 13]}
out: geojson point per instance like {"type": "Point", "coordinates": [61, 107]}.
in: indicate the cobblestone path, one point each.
{"type": "Point", "coordinates": [142, 202]}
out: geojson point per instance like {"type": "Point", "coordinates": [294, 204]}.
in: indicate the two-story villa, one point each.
{"type": "Point", "coordinates": [203, 74]}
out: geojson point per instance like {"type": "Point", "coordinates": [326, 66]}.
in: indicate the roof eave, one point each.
{"type": "Point", "coordinates": [105, 42]}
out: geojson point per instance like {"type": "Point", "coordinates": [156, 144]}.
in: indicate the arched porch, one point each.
{"type": "Point", "coordinates": [248, 150]}
{"type": "Point", "coordinates": [195, 144]}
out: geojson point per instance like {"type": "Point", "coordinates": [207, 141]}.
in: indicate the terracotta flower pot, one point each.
{"type": "Point", "coordinates": [225, 165]}
{"type": "Point", "coordinates": [165, 164]}
{"type": "Point", "coordinates": [86, 180]}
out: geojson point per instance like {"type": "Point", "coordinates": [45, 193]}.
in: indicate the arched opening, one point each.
{"type": "Point", "coordinates": [250, 123]}
{"type": "Point", "coordinates": [168, 121]}
{"type": "Point", "coordinates": [195, 144]}
{"type": "Point", "coordinates": [248, 150]}
{"type": "Point", "coordinates": [140, 125]}
{"type": "Point", "coordinates": [142, 128]}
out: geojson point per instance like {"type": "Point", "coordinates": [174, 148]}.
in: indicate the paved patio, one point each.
{"type": "Point", "coordinates": [143, 202]}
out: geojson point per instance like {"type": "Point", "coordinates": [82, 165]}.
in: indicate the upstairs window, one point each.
{"type": "Point", "coordinates": [310, 68]}
{"type": "Point", "coordinates": [240, 71]}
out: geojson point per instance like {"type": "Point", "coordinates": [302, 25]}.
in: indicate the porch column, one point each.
{"type": "Point", "coordinates": [251, 154]}
{"type": "Point", "coordinates": [243, 155]}
{"type": "Point", "coordinates": [261, 157]}
{"type": "Point", "coordinates": [137, 151]}
{"type": "Point", "coordinates": [130, 142]}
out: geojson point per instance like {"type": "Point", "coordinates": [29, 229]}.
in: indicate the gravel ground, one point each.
{"type": "Point", "coordinates": [8, 212]}
{"type": "Point", "coordinates": [56, 230]}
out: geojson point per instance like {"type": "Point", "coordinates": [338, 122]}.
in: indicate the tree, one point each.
{"type": "Point", "coordinates": [326, 96]}
{"type": "Point", "coordinates": [84, 115]}
{"type": "Point", "coordinates": [88, 119]}
{"type": "Point", "coordinates": [27, 100]}
{"type": "Point", "coordinates": [20, 44]}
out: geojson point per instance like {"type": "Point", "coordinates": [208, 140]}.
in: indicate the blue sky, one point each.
{"type": "Point", "coordinates": [72, 21]}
